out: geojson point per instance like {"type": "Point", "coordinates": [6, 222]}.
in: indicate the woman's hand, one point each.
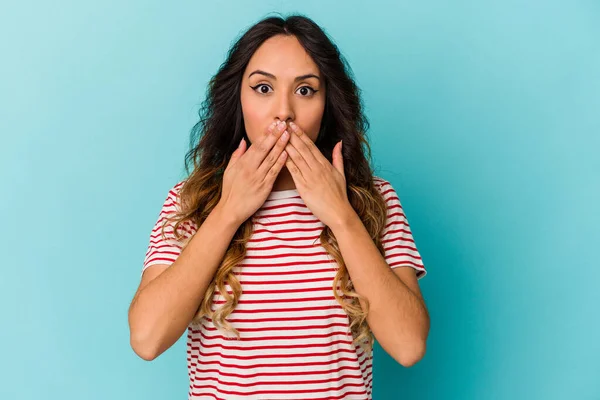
{"type": "Point", "coordinates": [249, 175]}
{"type": "Point", "coordinates": [321, 185]}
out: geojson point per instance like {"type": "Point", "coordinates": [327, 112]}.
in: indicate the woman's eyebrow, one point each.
{"type": "Point", "coordinates": [298, 78]}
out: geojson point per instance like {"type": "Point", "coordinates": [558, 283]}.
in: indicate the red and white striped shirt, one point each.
{"type": "Point", "coordinates": [295, 340]}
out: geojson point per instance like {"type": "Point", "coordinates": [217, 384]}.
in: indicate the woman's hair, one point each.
{"type": "Point", "coordinates": [220, 130]}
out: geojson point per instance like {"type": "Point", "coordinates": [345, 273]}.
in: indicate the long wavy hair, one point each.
{"type": "Point", "coordinates": [219, 131]}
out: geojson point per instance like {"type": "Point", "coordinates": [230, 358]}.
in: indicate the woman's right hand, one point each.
{"type": "Point", "coordinates": [249, 175]}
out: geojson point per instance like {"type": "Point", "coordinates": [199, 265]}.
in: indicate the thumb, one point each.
{"type": "Point", "coordinates": [337, 158]}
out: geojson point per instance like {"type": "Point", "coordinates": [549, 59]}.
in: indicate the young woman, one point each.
{"type": "Point", "coordinates": [281, 252]}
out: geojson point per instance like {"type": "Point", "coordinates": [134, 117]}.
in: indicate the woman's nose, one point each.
{"type": "Point", "coordinates": [284, 109]}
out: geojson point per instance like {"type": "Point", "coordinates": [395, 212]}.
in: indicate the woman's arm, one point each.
{"type": "Point", "coordinates": [398, 316]}
{"type": "Point", "coordinates": [169, 296]}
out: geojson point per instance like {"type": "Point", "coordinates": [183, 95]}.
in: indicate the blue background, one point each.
{"type": "Point", "coordinates": [485, 116]}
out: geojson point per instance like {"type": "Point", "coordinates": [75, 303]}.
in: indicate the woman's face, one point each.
{"type": "Point", "coordinates": [287, 95]}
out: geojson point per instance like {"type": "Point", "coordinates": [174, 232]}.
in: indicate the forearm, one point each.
{"type": "Point", "coordinates": [397, 317]}
{"type": "Point", "coordinates": [163, 309]}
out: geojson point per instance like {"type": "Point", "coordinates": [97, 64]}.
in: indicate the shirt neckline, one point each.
{"type": "Point", "coordinates": [282, 194]}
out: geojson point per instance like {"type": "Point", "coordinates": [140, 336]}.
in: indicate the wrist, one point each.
{"type": "Point", "coordinates": [225, 216]}
{"type": "Point", "coordinates": [345, 219]}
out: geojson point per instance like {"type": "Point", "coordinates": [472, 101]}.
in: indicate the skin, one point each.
{"type": "Point", "coordinates": [282, 98]}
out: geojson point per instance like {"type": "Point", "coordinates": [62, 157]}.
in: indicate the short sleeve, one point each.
{"type": "Point", "coordinates": [397, 239]}
{"type": "Point", "coordinates": [165, 250]}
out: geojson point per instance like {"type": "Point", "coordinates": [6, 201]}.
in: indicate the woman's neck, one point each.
{"type": "Point", "coordinates": [284, 181]}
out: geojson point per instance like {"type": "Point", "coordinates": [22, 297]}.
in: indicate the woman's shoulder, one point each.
{"type": "Point", "coordinates": [380, 182]}
{"type": "Point", "coordinates": [175, 188]}
{"type": "Point", "coordinates": [172, 199]}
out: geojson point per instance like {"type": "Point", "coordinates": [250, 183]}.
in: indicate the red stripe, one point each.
{"type": "Point", "coordinates": [264, 239]}
{"type": "Point", "coordinates": [292, 382]}
{"type": "Point", "coordinates": [245, 272]}
{"type": "Point", "coordinates": [258, 221]}
{"type": "Point", "coordinates": [282, 328]}
{"type": "Point", "coordinates": [282, 255]}
{"type": "Point", "coordinates": [272, 347]}
{"type": "Point", "coordinates": [264, 216]}
{"type": "Point", "coordinates": [278, 374]}
{"type": "Point", "coordinates": [388, 256]}
{"type": "Point", "coordinates": [300, 318]}
{"type": "Point", "coordinates": [301, 290]}
{"type": "Point", "coordinates": [263, 356]}
{"type": "Point", "coordinates": [165, 259]}
{"type": "Point", "coordinates": [281, 246]}
{"type": "Point", "coordinates": [318, 228]}
{"type": "Point", "coordinates": [286, 282]}
{"type": "Point", "coordinates": [269, 310]}
{"type": "Point", "coordinates": [295, 263]}
{"type": "Point", "coordinates": [294, 391]}
{"type": "Point", "coordinates": [266, 338]}
{"type": "Point", "coordinates": [405, 262]}
{"type": "Point", "coordinates": [307, 365]}
{"type": "Point", "coordinates": [268, 301]}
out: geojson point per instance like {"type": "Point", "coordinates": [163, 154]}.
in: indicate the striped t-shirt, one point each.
{"type": "Point", "coordinates": [295, 341]}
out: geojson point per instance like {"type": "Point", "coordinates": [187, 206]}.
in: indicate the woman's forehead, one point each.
{"type": "Point", "coordinates": [283, 57]}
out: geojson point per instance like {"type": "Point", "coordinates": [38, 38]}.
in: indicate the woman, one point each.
{"type": "Point", "coordinates": [274, 216]}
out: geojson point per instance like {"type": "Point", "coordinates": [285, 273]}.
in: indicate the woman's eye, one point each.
{"type": "Point", "coordinates": [261, 85]}
{"type": "Point", "coordinates": [312, 91]}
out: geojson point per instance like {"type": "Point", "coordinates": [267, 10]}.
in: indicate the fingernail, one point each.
{"type": "Point", "coordinates": [240, 145]}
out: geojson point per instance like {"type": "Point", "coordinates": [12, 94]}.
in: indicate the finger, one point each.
{"type": "Point", "coordinates": [338, 159]}
{"type": "Point", "coordinates": [276, 168]}
{"type": "Point", "coordinates": [258, 152]}
{"type": "Point", "coordinates": [237, 153]}
{"type": "Point", "coordinates": [305, 146]}
{"type": "Point", "coordinates": [315, 151]}
{"type": "Point", "coordinates": [274, 154]}
{"type": "Point", "coordinates": [297, 160]}
{"type": "Point", "coordinates": [295, 172]}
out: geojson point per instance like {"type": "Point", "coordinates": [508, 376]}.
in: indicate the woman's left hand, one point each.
{"type": "Point", "coordinates": [321, 185]}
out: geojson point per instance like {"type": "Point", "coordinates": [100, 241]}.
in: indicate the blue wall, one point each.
{"type": "Point", "coordinates": [485, 117]}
